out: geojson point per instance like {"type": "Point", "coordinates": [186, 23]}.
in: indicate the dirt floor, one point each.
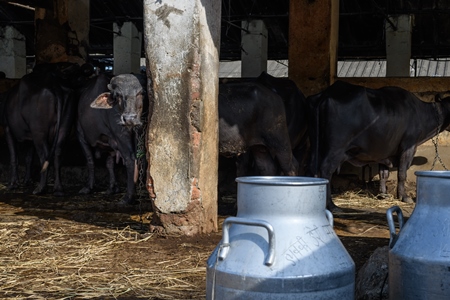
{"type": "Point", "coordinates": [88, 247]}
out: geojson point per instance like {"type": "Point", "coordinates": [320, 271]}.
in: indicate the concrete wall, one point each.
{"type": "Point", "coordinates": [13, 59]}
{"type": "Point", "coordinates": [127, 48]}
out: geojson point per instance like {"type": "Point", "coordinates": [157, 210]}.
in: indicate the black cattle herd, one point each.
{"type": "Point", "coordinates": [265, 122]}
{"type": "Point", "coordinates": [44, 106]}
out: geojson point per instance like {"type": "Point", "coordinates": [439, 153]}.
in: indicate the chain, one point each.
{"type": "Point", "coordinates": [435, 139]}
{"type": "Point", "coordinates": [140, 157]}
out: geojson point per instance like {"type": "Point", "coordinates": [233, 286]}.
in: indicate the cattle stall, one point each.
{"type": "Point", "coordinates": [94, 247]}
{"type": "Point", "coordinates": [87, 246]}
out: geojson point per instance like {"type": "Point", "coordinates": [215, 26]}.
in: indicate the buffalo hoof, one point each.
{"type": "Point", "coordinates": [334, 208]}
{"type": "Point", "coordinates": [383, 196]}
{"type": "Point", "coordinates": [27, 182]}
{"type": "Point", "coordinates": [127, 200]}
{"type": "Point", "coordinates": [58, 194]}
{"type": "Point", "coordinates": [112, 190]}
{"type": "Point", "coordinates": [39, 191]}
{"type": "Point", "coordinates": [13, 186]}
{"type": "Point", "coordinates": [85, 191]}
{"type": "Point", "coordinates": [407, 199]}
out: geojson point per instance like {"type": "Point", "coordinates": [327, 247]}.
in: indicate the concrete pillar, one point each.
{"type": "Point", "coordinates": [13, 60]}
{"type": "Point", "coordinates": [62, 33]}
{"type": "Point", "coordinates": [182, 43]}
{"type": "Point", "coordinates": [313, 42]}
{"type": "Point", "coordinates": [254, 48]}
{"type": "Point", "coordinates": [398, 45]}
{"type": "Point", "coordinates": [127, 48]}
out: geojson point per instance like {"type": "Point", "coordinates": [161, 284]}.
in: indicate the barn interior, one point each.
{"type": "Point", "coordinates": [361, 38]}
{"type": "Point", "coordinates": [361, 42]}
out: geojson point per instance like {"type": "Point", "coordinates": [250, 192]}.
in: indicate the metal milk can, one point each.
{"type": "Point", "coordinates": [419, 258]}
{"type": "Point", "coordinates": [281, 245]}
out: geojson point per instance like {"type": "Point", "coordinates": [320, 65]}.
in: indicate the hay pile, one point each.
{"type": "Point", "coordinates": [363, 199]}
{"type": "Point", "coordinates": [48, 253]}
{"type": "Point", "coordinates": [55, 259]}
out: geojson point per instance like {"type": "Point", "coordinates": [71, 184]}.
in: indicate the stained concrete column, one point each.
{"type": "Point", "coordinates": [182, 43]}
{"type": "Point", "coordinates": [313, 42]}
{"type": "Point", "coordinates": [127, 48]}
{"type": "Point", "coordinates": [254, 48]}
{"type": "Point", "coordinates": [13, 60]}
{"type": "Point", "coordinates": [62, 32]}
{"type": "Point", "coordinates": [398, 45]}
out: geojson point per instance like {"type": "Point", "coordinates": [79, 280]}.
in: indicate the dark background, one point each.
{"type": "Point", "coordinates": [361, 25]}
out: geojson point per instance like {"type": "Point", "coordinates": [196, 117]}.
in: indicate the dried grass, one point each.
{"type": "Point", "coordinates": [63, 259]}
{"type": "Point", "coordinates": [365, 200]}
{"type": "Point", "coordinates": [45, 259]}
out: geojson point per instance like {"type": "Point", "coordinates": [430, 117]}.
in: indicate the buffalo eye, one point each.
{"type": "Point", "coordinates": [116, 99]}
{"type": "Point", "coordinates": [140, 96]}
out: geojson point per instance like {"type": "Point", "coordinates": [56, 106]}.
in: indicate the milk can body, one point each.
{"type": "Point", "coordinates": [419, 258]}
{"type": "Point", "coordinates": [281, 245]}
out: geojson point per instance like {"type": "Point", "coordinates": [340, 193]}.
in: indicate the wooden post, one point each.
{"type": "Point", "coordinates": [62, 32]}
{"type": "Point", "coordinates": [182, 50]}
{"type": "Point", "coordinates": [313, 42]}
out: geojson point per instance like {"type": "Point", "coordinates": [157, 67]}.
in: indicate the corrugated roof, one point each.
{"type": "Point", "coordinates": [362, 68]}
{"type": "Point", "coordinates": [277, 68]}
{"type": "Point", "coordinates": [350, 68]}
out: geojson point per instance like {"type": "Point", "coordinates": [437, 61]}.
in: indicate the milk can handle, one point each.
{"type": "Point", "coordinates": [225, 245]}
{"type": "Point", "coordinates": [329, 217]}
{"type": "Point", "coordinates": [390, 219]}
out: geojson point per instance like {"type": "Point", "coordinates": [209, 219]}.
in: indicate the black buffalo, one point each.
{"type": "Point", "coordinates": [110, 111]}
{"type": "Point", "coordinates": [41, 109]}
{"type": "Point", "coordinates": [361, 125]}
{"type": "Point", "coordinates": [296, 109]}
{"type": "Point", "coordinates": [252, 118]}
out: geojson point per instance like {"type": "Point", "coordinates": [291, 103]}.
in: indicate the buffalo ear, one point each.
{"type": "Point", "coordinates": [102, 101]}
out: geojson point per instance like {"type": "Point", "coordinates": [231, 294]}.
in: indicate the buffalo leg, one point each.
{"type": "Point", "coordinates": [285, 158]}
{"type": "Point", "coordinates": [403, 166]}
{"type": "Point", "coordinates": [327, 168]}
{"type": "Point", "coordinates": [302, 155]}
{"type": "Point", "coordinates": [112, 189]}
{"type": "Point", "coordinates": [28, 164]}
{"type": "Point", "coordinates": [264, 163]}
{"type": "Point", "coordinates": [330, 204]}
{"type": "Point", "coordinates": [58, 188]}
{"type": "Point", "coordinates": [89, 186]}
{"type": "Point", "coordinates": [243, 165]}
{"type": "Point", "coordinates": [384, 175]}
{"type": "Point", "coordinates": [14, 183]}
{"type": "Point", "coordinates": [288, 163]}
{"type": "Point", "coordinates": [130, 194]}
{"type": "Point", "coordinates": [43, 153]}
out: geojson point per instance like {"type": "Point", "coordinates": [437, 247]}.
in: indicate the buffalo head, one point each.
{"type": "Point", "coordinates": [126, 95]}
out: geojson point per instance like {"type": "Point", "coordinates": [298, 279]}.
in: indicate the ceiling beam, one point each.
{"type": "Point", "coordinates": [30, 4]}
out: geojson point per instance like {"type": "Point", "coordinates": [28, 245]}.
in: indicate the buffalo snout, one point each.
{"type": "Point", "coordinates": [130, 120]}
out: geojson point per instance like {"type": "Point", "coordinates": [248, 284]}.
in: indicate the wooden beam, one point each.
{"type": "Point", "coordinates": [313, 39]}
